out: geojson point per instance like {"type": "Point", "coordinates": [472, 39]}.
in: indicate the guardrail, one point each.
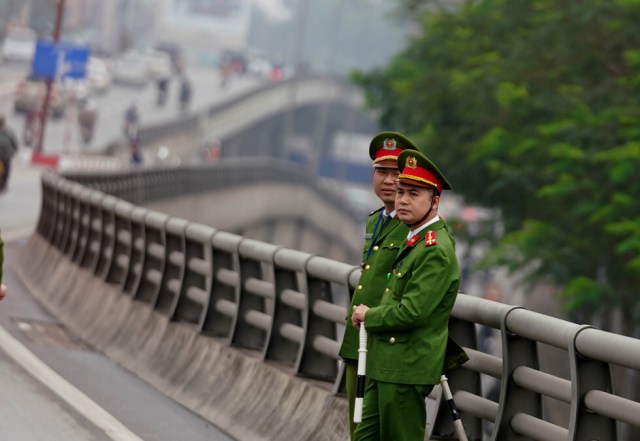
{"type": "Point", "coordinates": [281, 303]}
{"type": "Point", "coordinates": [147, 185]}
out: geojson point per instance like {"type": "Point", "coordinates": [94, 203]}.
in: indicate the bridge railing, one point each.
{"type": "Point", "coordinates": [282, 304]}
{"type": "Point", "coordinates": [147, 185]}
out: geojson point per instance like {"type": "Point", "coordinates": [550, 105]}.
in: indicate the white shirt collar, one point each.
{"type": "Point", "coordinates": [422, 227]}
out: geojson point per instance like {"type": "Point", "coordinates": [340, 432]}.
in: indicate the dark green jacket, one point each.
{"type": "Point", "coordinates": [408, 331]}
{"type": "Point", "coordinates": [375, 268]}
{"type": "Point", "coordinates": [8, 144]}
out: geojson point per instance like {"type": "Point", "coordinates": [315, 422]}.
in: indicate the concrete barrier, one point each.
{"type": "Point", "coordinates": [234, 389]}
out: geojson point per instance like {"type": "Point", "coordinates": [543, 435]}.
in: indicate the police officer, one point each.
{"type": "Point", "coordinates": [408, 330]}
{"type": "Point", "coordinates": [8, 148]}
{"type": "Point", "coordinates": [384, 235]}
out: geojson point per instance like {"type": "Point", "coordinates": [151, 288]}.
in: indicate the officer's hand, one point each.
{"type": "Point", "coordinates": [3, 291]}
{"type": "Point", "coordinates": [358, 315]}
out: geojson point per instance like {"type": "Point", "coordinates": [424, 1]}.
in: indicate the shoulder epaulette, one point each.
{"type": "Point", "coordinates": [375, 211]}
{"type": "Point", "coordinates": [430, 238]}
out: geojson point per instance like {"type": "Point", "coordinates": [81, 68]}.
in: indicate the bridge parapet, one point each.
{"type": "Point", "coordinates": [226, 119]}
{"type": "Point", "coordinates": [280, 305]}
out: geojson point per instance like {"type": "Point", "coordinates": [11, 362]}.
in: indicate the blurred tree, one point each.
{"type": "Point", "coordinates": [531, 107]}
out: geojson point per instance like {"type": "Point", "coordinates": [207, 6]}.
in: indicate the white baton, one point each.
{"type": "Point", "coordinates": [362, 369]}
{"type": "Point", "coordinates": [457, 422]}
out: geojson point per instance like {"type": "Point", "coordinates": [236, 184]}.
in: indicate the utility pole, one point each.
{"type": "Point", "coordinates": [319, 137]}
{"type": "Point", "coordinates": [298, 52]}
{"type": "Point", "coordinates": [47, 96]}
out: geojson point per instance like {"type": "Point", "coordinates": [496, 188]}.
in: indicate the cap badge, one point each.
{"type": "Point", "coordinates": [411, 162]}
{"type": "Point", "coordinates": [430, 238]}
{"type": "Point", "coordinates": [390, 144]}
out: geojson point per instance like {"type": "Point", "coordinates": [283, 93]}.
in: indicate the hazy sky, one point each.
{"type": "Point", "coordinates": [327, 35]}
{"type": "Point", "coordinates": [275, 10]}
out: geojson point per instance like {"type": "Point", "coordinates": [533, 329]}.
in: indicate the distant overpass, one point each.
{"type": "Point", "coordinates": [263, 199]}
{"type": "Point", "coordinates": [292, 119]}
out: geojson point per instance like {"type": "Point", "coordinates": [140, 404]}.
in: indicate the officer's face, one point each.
{"type": "Point", "coordinates": [413, 202]}
{"type": "Point", "coordinates": [384, 181]}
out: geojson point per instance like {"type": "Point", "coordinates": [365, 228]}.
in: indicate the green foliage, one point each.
{"type": "Point", "coordinates": [531, 107]}
{"type": "Point", "coordinates": [583, 293]}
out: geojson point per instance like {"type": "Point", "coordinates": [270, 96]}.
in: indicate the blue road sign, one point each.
{"type": "Point", "coordinates": [59, 60]}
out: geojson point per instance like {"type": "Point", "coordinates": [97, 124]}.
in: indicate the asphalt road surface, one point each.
{"type": "Point", "coordinates": [62, 135]}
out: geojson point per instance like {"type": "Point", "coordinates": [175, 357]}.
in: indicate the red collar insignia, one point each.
{"type": "Point", "coordinates": [411, 242]}
{"type": "Point", "coordinates": [430, 238]}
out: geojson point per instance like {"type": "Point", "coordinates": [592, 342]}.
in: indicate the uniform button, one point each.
{"type": "Point", "coordinates": [367, 267]}
{"type": "Point", "coordinates": [386, 290]}
{"type": "Point", "coordinates": [376, 248]}
{"type": "Point", "coordinates": [354, 307]}
{"type": "Point", "coordinates": [399, 275]}
{"type": "Point", "coordinates": [390, 244]}
{"type": "Point", "coordinates": [359, 286]}
{"type": "Point", "coordinates": [392, 340]}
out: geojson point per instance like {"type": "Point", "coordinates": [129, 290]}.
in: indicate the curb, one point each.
{"type": "Point", "coordinates": [70, 162]}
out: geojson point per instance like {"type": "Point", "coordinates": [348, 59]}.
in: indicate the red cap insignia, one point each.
{"type": "Point", "coordinates": [430, 238]}
{"type": "Point", "coordinates": [389, 144]}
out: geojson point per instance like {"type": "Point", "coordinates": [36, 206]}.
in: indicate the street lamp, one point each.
{"type": "Point", "coordinates": [300, 34]}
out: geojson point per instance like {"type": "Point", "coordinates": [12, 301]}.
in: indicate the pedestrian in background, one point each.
{"type": "Point", "coordinates": [384, 234]}
{"type": "Point", "coordinates": [131, 125]}
{"type": "Point", "coordinates": [87, 116]}
{"type": "Point", "coordinates": [8, 149]}
{"type": "Point", "coordinates": [186, 91]}
{"type": "Point", "coordinates": [163, 89]}
{"type": "Point", "coordinates": [408, 330]}
{"type": "Point", "coordinates": [132, 132]}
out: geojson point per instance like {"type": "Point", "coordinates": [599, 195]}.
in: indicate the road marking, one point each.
{"type": "Point", "coordinates": [65, 390]}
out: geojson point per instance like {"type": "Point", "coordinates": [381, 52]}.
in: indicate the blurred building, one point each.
{"type": "Point", "coordinates": [204, 27]}
{"type": "Point", "coordinates": [331, 35]}
{"type": "Point", "coordinates": [108, 26]}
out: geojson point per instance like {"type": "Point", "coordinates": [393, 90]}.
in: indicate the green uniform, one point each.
{"type": "Point", "coordinates": [382, 244]}
{"type": "Point", "coordinates": [381, 247]}
{"type": "Point", "coordinates": [408, 335]}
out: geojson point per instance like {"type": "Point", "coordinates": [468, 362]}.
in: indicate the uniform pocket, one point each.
{"type": "Point", "coordinates": [394, 346]}
{"type": "Point", "coordinates": [398, 278]}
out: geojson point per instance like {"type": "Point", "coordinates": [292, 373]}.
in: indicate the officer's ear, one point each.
{"type": "Point", "coordinates": [435, 197]}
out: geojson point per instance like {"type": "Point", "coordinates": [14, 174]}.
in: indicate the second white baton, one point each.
{"type": "Point", "coordinates": [362, 369]}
